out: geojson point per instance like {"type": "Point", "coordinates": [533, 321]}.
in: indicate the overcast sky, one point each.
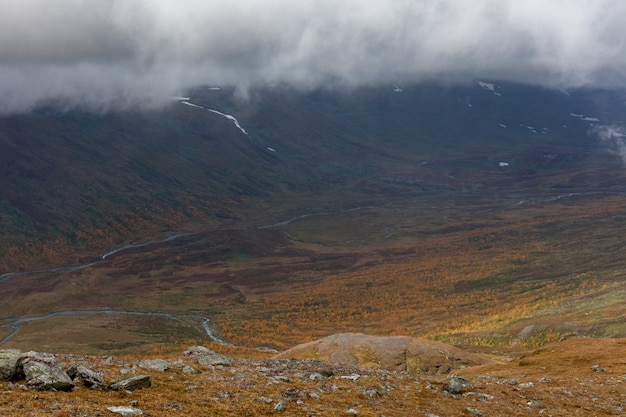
{"type": "Point", "coordinates": [113, 53]}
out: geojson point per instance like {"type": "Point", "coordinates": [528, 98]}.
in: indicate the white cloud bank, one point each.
{"type": "Point", "coordinates": [118, 53]}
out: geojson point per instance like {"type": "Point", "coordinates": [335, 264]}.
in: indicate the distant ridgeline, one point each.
{"type": "Point", "coordinates": [75, 182]}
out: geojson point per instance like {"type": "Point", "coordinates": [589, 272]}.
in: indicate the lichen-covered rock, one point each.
{"type": "Point", "coordinates": [43, 371]}
{"type": "Point", "coordinates": [207, 357]}
{"type": "Point", "coordinates": [8, 363]}
{"type": "Point", "coordinates": [132, 383]}
{"type": "Point", "coordinates": [457, 384]}
{"type": "Point", "coordinates": [158, 364]}
{"type": "Point", "coordinates": [86, 376]}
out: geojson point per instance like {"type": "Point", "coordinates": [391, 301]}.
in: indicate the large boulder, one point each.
{"type": "Point", "coordinates": [43, 371]}
{"type": "Point", "coordinates": [8, 363]}
{"type": "Point", "coordinates": [204, 356]}
{"type": "Point", "coordinates": [395, 353]}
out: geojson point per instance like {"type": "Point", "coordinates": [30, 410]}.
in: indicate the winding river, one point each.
{"type": "Point", "coordinates": [203, 322]}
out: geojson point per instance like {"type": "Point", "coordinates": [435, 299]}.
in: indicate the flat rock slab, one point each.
{"type": "Point", "coordinates": [132, 383]}
{"type": "Point", "coordinates": [125, 411]}
{"type": "Point", "coordinates": [158, 364]}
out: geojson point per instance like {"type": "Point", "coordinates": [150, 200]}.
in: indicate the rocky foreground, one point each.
{"type": "Point", "coordinates": [340, 375]}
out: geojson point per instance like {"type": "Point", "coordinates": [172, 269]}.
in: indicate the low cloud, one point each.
{"type": "Point", "coordinates": [612, 135]}
{"type": "Point", "coordinates": [123, 53]}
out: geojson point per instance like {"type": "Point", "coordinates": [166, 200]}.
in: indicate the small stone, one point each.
{"type": "Point", "coordinates": [315, 395]}
{"type": "Point", "coordinates": [526, 385]}
{"type": "Point", "coordinates": [316, 376]}
{"type": "Point", "coordinates": [125, 411]}
{"type": "Point", "coordinates": [280, 378]}
{"type": "Point", "coordinates": [596, 368]}
{"type": "Point", "coordinates": [188, 370]}
{"type": "Point", "coordinates": [264, 400]}
{"type": "Point", "coordinates": [293, 392]}
{"type": "Point", "coordinates": [352, 377]}
{"type": "Point", "coordinates": [352, 411]}
{"type": "Point", "coordinates": [474, 411]}
{"type": "Point", "coordinates": [457, 383]}
{"type": "Point", "coordinates": [280, 406]}
{"type": "Point", "coordinates": [532, 403]}
{"type": "Point", "coordinates": [371, 392]}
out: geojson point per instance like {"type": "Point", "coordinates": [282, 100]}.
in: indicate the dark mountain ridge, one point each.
{"type": "Point", "coordinates": [76, 182]}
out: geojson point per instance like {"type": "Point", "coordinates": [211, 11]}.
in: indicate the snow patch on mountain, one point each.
{"type": "Point", "coordinates": [585, 118]}
{"type": "Point", "coordinates": [228, 116]}
{"type": "Point", "coordinates": [490, 87]}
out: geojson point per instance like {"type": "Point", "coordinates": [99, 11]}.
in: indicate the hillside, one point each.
{"type": "Point", "coordinates": [76, 182]}
{"type": "Point", "coordinates": [573, 377]}
{"type": "Point", "coordinates": [489, 214]}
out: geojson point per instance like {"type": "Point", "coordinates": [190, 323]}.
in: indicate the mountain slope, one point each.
{"type": "Point", "coordinates": [78, 182]}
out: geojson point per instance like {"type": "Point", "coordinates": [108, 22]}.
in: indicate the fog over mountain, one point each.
{"type": "Point", "coordinates": [121, 53]}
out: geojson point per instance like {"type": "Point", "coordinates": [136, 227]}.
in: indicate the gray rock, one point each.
{"type": "Point", "coordinates": [43, 371]}
{"type": "Point", "coordinates": [125, 411]}
{"type": "Point", "coordinates": [371, 392]}
{"type": "Point", "coordinates": [474, 411]}
{"type": "Point", "coordinates": [158, 364]}
{"type": "Point", "coordinates": [280, 406]}
{"type": "Point", "coordinates": [457, 383]}
{"type": "Point", "coordinates": [8, 363]}
{"type": "Point", "coordinates": [188, 370]}
{"type": "Point", "coordinates": [207, 357]}
{"type": "Point", "coordinates": [198, 350]}
{"type": "Point", "coordinates": [213, 360]}
{"type": "Point", "coordinates": [131, 384]}
{"type": "Point", "coordinates": [597, 368]}
{"type": "Point", "coordinates": [89, 378]}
